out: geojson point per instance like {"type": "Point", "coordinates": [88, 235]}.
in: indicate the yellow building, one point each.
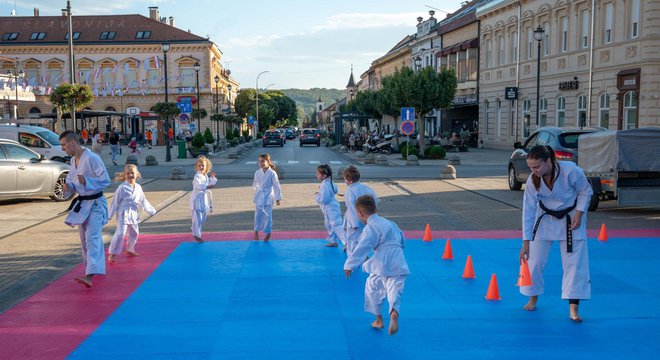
{"type": "Point", "coordinates": [122, 59]}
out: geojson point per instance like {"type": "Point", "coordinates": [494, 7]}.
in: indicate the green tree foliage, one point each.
{"type": "Point", "coordinates": [197, 141]}
{"type": "Point", "coordinates": [201, 114]}
{"type": "Point", "coordinates": [208, 136]}
{"type": "Point", "coordinates": [68, 96]}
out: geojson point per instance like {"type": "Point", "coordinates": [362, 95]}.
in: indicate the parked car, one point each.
{"type": "Point", "coordinates": [289, 134]}
{"type": "Point", "coordinates": [37, 138]}
{"type": "Point", "coordinates": [310, 136]}
{"type": "Point", "coordinates": [564, 141]}
{"type": "Point", "coordinates": [273, 137]}
{"type": "Point", "coordinates": [26, 173]}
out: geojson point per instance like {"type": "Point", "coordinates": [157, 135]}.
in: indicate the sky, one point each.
{"type": "Point", "coordinates": [301, 43]}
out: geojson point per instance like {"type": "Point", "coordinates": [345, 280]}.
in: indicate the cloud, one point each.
{"type": "Point", "coordinates": [250, 42]}
{"type": "Point", "coordinates": [366, 20]}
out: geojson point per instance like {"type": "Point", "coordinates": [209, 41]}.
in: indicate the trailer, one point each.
{"type": "Point", "coordinates": [622, 165]}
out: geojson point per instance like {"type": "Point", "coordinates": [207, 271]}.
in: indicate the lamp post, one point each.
{"type": "Point", "coordinates": [17, 74]}
{"type": "Point", "coordinates": [418, 62]}
{"type": "Point", "coordinates": [168, 156]}
{"type": "Point", "coordinates": [256, 123]}
{"type": "Point", "coordinates": [71, 60]}
{"type": "Point", "coordinates": [196, 67]}
{"type": "Point", "coordinates": [217, 122]}
{"type": "Point", "coordinates": [538, 36]}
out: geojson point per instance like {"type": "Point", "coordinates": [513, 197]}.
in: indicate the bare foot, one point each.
{"type": "Point", "coordinates": [256, 235]}
{"type": "Point", "coordinates": [198, 239]}
{"type": "Point", "coordinates": [267, 237]}
{"type": "Point", "coordinates": [131, 253]}
{"type": "Point", "coordinates": [394, 322]}
{"type": "Point", "coordinates": [531, 305]}
{"type": "Point", "coordinates": [331, 245]}
{"type": "Point", "coordinates": [111, 258]}
{"type": "Point", "coordinates": [573, 309]}
{"type": "Point", "coordinates": [85, 280]}
{"type": "Point", "coordinates": [378, 323]}
{"type": "Point", "coordinates": [345, 247]}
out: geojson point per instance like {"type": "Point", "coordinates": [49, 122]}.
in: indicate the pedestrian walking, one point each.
{"type": "Point", "coordinates": [113, 140]}
{"type": "Point", "coordinates": [97, 142]}
{"type": "Point", "coordinates": [267, 190]}
{"type": "Point", "coordinates": [147, 135]}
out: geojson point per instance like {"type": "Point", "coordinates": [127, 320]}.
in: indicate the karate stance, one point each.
{"type": "Point", "coordinates": [387, 266]}
{"type": "Point", "coordinates": [201, 199]}
{"type": "Point", "coordinates": [555, 206]}
{"type": "Point", "coordinates": [126, 203]}
{"type": "Point", "coordinates": [89, 210]}
{"type": "Point", "coordinates": [266, 187]}
{"type": "Point", "coordinates": [325, 197]}
{"type": "Point", "coordinates": [352, 225]}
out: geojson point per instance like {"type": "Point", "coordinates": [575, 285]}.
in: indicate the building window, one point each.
{"type": "Point", "coordinates": [473, 66]}
{"type": "Point", "coordinates": [143, 35]}
{"type": "Point", "coordinates": [153, 72]}
{"type": "Point", "coordinates": [512, 121]}
{"type": "Point", "coordinates": [527, 105]}
{"type": "Point", "coordinates": [108, 35]}
{"type": "Point", "coordinates": [10, 36]}
{"type": "Point", "coordinates": [582, 111]}
{"type": "Point", "coordinates": [546, 39]}
{"type": "Point", "coordinates": [38, 36]}
{"type": "Point", "coordinates": [76, 35]}
{"type": "Point", "coordinates": [444, 62]}
{"type": "Point", "coordinates": [607, 30]}
{"type": "Point", "coordinates": [604, 111]}
{"type": "Point", "coordinates": [564, 34]}
{"type": "Point", "coordinates": [499, 117]}
{"type": "Point", "coordinates": [108, 70]}
{"type": "Point", "coordinates": [561, 111]}
{"type": "Point", "coordinates": [452, 62]}
{"type": "Point", "coordinates": [489, 53]}
{"type": "Point", "coordinates": [630, 110]}
{"type": "Point", "coordinates": [584, 39]}
{"type": "Point", "coordinates": [530, 43]}
{"type": "Point", "coordinates": [32, 76]}
{"type": "Point", "coordinates": [486, 116]}
{"type": "Point", "coordinates": [501, 50]}
{"type": "Point", "coordinates": [634, 19]}
{"type": "Point", "coordinates": [514, 47]}
{"type": "Point", "coordinates": [462, 74]}
{"type": "Point", "coordinates": [130, 75]}
{"type": "Point", "coordinates": [187, 74]}
{"type": "Point", "coordinates": [543, 112]}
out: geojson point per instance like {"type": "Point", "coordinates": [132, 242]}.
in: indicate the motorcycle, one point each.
{"type": "Point", "coordinates": [383, 147]}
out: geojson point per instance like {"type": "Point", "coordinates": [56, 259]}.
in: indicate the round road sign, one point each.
{"type": "Point", "coordinates": [407, 127]}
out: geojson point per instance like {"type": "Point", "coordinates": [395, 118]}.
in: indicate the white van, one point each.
{"type": "Point", "coordinates": [37, 138]}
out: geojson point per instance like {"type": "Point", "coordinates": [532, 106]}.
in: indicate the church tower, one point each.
{"type": "Point", "coordinates": [319, 105]}
{"type": "Point", "coordinates": [351, 89]}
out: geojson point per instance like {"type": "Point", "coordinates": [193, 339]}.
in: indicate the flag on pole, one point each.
{"type": "Point", "coordinates": [156, 64]}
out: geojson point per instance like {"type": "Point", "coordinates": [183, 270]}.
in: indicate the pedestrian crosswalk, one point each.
{"type": "Point", "coordinates": [296, 162]}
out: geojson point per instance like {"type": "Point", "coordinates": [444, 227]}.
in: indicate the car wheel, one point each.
{"type": "Point", "coordinates": [58, 193]}
{"type": "Point", "coordinates": [58, 159]}
{"type": "Point", "coordinates": [595, 196]}
{"type": "Point", "coordinates": [513, 183]}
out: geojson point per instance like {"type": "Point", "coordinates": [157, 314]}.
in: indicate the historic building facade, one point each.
{"type": "Point", "coordinates": [122, 59]}
{"type": "Point", "coordinates": [599, 64]}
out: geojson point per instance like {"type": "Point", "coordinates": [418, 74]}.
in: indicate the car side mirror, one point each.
{"type": "Point", "coordinates": [517, 145]}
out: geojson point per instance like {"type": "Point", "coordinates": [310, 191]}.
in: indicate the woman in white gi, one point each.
{"type": "Point", "coordinates": [126, 203]}
{"type": "Point", "coordinates": [87, 177]}
{"type": "Point", "coordinates": [267, 190]}
{"type": "Point", "coordinates": [325, 197]}
{"type": "Point", "coordinates": [201, 199]}
{"type": "Point", "coordinates": [387, 266]}
{"type": "Point", "coordinates": [555, 206]}
{"type": "Point", "coordinates": [351, 224]}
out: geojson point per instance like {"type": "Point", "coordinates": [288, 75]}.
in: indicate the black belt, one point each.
{"type": "Point", "coordinates": [558, 214]}
{"type": "Point", "coordinates": [76, 203]}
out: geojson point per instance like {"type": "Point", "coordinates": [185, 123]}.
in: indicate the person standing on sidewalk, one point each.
{"type": "Point", "coordinates": [147, 135]}
{"type": "Point", "coordinates": [352, 225]}
{"type": "Point", "coordinates": [88, 178]}
{"type": "Point", "coordinates": [555, 203]}
{"type": "Point", "coordinates": [97, 142]}
{"type": "Point", "coordinates": [113, 140]}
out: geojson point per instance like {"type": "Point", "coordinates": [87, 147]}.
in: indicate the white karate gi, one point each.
{"type": "Point", "coordinates": [331, 211]}
{"type": "Point", "coordinates": [571, 184]}
{"type": "Point", "coordinates": [352, 225]}
{"type": "Point", "coordinates": [387, 266]}
{"type": "Point", "coordinates": [93, 214]}
{"type": "Point", "coordinates": [267, 191]}
{"type": "Point", "coordinates": [126, 204]}
{"type": "Point", "coordinates": [201, 201]}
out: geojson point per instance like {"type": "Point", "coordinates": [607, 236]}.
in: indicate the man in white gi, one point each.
{"type": "Point", "coordinates": [352, 225]}
{"type": "Point", "coordinates": [387, 266]}
{"type": "Point", "coordinates": [88, 178]}
{"type": "Point", "coordinates": [555, 203]}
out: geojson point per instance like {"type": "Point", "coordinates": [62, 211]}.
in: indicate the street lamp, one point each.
{"type": "Point", "coordinates": [217, 99]}
{"type": "Point", "coordinates": [17, 74]}
{"type": "Point", "coordinates": [196, 67]}
{"type": "Point", "coordinates": [418, 63]}
{"type": "Point", "coordinates": [538, 36]}
{"type": "Point", "coordinates": [168, 156]}
{"type": "Point", "coordinates": [256, 123]}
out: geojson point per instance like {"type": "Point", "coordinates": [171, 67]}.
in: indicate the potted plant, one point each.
{"type": "Point", "coordinates": [198, 146]}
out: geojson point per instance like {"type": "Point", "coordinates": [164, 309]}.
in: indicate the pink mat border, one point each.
{"type": "Point", "coordinates": [54, 321]}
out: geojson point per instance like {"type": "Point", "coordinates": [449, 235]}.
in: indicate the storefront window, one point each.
{"type": "Point", "coordinates": [630, 110]}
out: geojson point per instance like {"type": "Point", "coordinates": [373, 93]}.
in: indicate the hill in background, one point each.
{"type": "Point", "coordinates": [307, 98]}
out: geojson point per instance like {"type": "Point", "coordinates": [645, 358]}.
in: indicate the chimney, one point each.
{"type": "Point", "coordinates": [154, 13]}
{"type": "Point", "coordinates": [172, 21]}
{"type": "Point", "coordinates": [36, 12]}
{"type": "Point", "coordinates": [163, 19]}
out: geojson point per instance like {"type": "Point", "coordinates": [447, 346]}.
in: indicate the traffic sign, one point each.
{"type": "Point", "coordinates": [407, 127]}
{"type": "Point", "coordinates": [183, 118]}
{"type": "Point", "coordinates": [185, 107]}
{"type": "Point", "coordinates": [251, 119]}
{"type": "Point", "coordinates": [511, 93]}
{"type": "Point", "coordinates": [407, 114]}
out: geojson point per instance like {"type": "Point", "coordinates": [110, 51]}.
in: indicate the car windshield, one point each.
{"type": "Point", "coordinates": [49, 136]}
{"type": "Point", "coordinates": [570, 140]}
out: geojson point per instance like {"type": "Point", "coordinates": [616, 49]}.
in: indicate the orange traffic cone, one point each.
{"type": "Point", "coordinates": [427, 233]}
{"type": "Point", "coordinates": [468, 272]}
{"type": "Point", "coordinates": [448, 255]}
{"type": "Point", "coordinates": [603, 233]}
{"type": "Point", "coordinates": [524, 278]}
{"type": "Point", "coordinates": [493, 292]}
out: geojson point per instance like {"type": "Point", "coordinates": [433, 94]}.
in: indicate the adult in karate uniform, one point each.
{"type": "Point", "coordinates": [88, 178]}
{"type": "Point", "coordinates": [555, 204]}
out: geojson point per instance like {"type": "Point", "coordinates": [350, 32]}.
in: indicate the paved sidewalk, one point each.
{"type": "Point", "coordinates": [474, 156]}
{"type": "Point", "coordinates": [160, 152]}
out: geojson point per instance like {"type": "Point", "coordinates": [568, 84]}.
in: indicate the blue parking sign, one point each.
{"type": "Point", "coordinates": [251, 119]}
{"type": "Point", "coordinates": [185, 107]}
{"type": "Point", "coordinates": [407, 114]}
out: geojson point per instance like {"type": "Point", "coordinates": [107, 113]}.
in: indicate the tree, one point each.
{"type": "Point", "coordinates": [166, 111]}
{"type": "Point", "coordinates": [71, 96]}
{"type": "Point", "coordinates": [201, 114]}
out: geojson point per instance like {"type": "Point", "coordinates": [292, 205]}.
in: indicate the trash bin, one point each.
{"type": "Point", "coordinates": [181, 145]}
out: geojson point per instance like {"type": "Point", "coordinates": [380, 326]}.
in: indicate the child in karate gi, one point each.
{"type": "Point", "coordinates": [555, 204]}
{"type": "Point", "coordinates": [88, 178]}
{"type": "Point", "coordinates": [325, 197]}
{"type": "Point", "coordinates": [267, 190]}
{"type": "Point", "coordinates": [201, 199]}
{"type": "Point", "coordinates": [126, 203]}
{"type": "Point", "coordinates": [352, 225]}
{"type": "Point", "coordinates": [387, 266]}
